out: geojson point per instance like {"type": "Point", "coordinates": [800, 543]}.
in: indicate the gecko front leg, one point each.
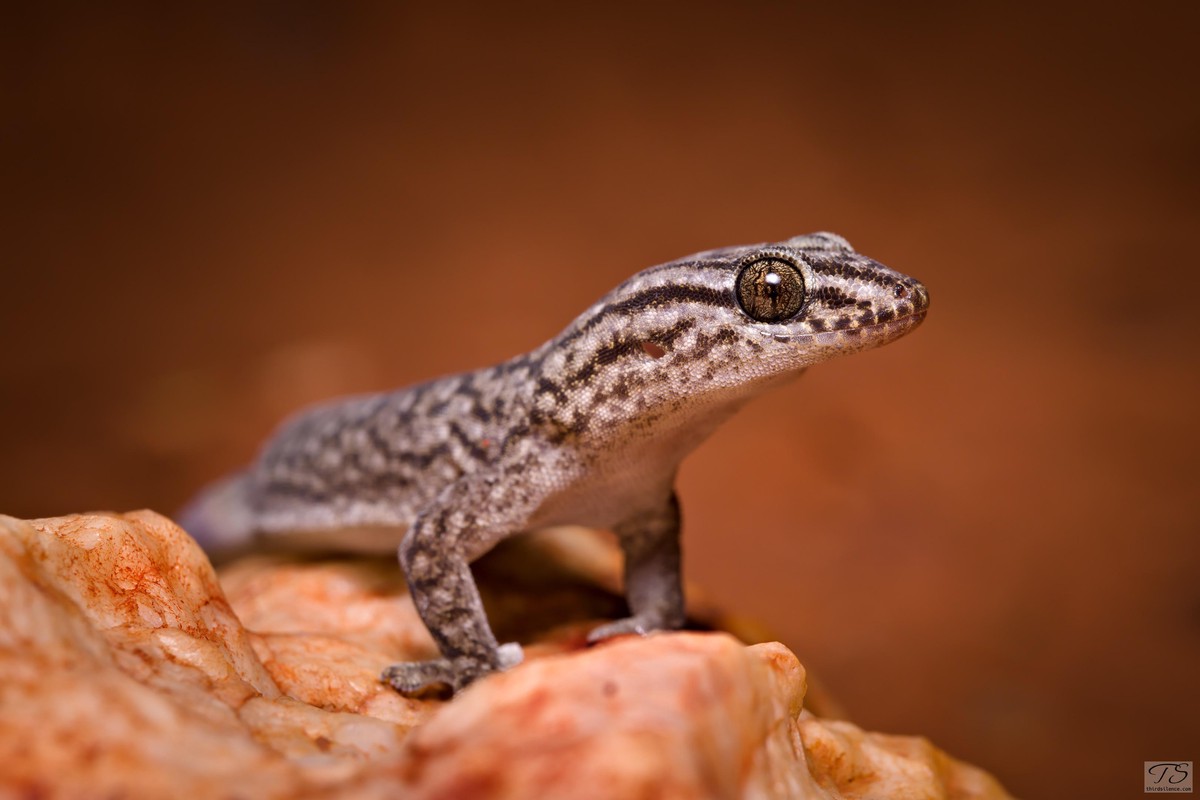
{"type": "Point", "coordinates": [653, 583]}
{"type": "Point", "coordinates": [436, 555]}
{"type": "Point", "coordinates": [590, 427]}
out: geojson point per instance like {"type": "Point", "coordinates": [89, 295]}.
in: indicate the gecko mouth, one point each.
{"type": "Point", "coordinates": [869, 335]}
{"type": "Point", "coordinates": [879, 332]}
{"type": "Point", "coordinates": [911, 320]}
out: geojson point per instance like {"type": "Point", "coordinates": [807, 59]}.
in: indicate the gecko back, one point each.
{"type": "Point", "coordinates": [588, 429]}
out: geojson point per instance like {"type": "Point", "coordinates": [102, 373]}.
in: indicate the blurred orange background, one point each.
{"type": "Point", "coordinates": [985, 533]}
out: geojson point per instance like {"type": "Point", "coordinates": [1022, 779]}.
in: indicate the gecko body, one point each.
{"type": "Point", "coordinates": [587, 429]}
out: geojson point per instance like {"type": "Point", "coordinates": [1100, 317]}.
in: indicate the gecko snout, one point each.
{"type": "Point", "coordinates": [921, 299]}
{"type": "Point", "coordinates": [912, 298]}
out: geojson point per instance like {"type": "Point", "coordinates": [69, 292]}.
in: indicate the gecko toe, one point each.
{"type": "Point", "coordinates": [413, 677]}
{"type": "Point", "coordinates": [510, 654]}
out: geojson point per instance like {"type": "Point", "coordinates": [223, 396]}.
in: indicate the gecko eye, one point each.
{"type": "Point", "coordinates": [770, 290]}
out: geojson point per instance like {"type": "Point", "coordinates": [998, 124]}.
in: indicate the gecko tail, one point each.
{"type": "Point", "coordinates": [220, 517]}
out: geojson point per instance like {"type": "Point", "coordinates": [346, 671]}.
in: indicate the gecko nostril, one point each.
{"type": "Point", "coordinates": [922, 296]}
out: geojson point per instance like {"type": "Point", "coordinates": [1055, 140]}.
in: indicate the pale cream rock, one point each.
{"type": "Point", "coordinates": [126, 671]}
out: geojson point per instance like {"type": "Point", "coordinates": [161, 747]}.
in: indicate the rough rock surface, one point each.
{"type": "Point", "coordinates": [127, 669]}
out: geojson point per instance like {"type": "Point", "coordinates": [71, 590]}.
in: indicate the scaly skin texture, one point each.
{"type": "Point", "coordinates": [588, 429]}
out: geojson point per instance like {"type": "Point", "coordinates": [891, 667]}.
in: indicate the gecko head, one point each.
{"type": "Point", "coordinates": [725, 323]}
{"type": "Point", "coordinates": [816, 298]}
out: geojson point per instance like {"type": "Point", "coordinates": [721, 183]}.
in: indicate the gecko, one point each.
{"type": "Point", "coordinates": [589, 429]}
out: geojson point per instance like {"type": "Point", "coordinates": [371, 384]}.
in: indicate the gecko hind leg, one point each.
{"type": "Point", "coordinates": [443, 590]}
{"type": "Point", "coordinates": [416, 675]}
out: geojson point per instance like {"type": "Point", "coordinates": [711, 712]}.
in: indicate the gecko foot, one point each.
{"type": "Point", "coordinates": [414, 676]}
{"type": "Point", "coordinates": [639, 626]}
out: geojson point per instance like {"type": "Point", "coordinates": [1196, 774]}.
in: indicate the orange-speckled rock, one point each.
{"type": "Point", "coordinates": [128, 669]}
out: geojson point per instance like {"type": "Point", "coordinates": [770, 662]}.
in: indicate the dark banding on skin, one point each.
{"type": "Point", "coordinates": [631, 384]}
{"type": "Point", "coordinates": [547, 386]}
{"type": "Point", "coordinates": [613, 351]}
{"type": "Point", "coordinates": [705, 342]}
{"type": "Point", "coordinates": [657, 297]}
{"type": "Point", "coordinates": [473, 448]}
{"type": "Point", "coordinates": [836, 265]}
{"type": "Point", "coordinates": [831, 297]}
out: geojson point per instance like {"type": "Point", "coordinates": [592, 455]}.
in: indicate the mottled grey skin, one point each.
{"type": "Point", "coordinates": [589, 429]}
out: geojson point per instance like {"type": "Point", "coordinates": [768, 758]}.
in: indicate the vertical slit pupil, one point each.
{"type": "Point", "coordinates": [770, 290]}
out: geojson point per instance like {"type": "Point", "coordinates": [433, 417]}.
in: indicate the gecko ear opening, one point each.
{"type": "Point", "coordinates": [653, 350]}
